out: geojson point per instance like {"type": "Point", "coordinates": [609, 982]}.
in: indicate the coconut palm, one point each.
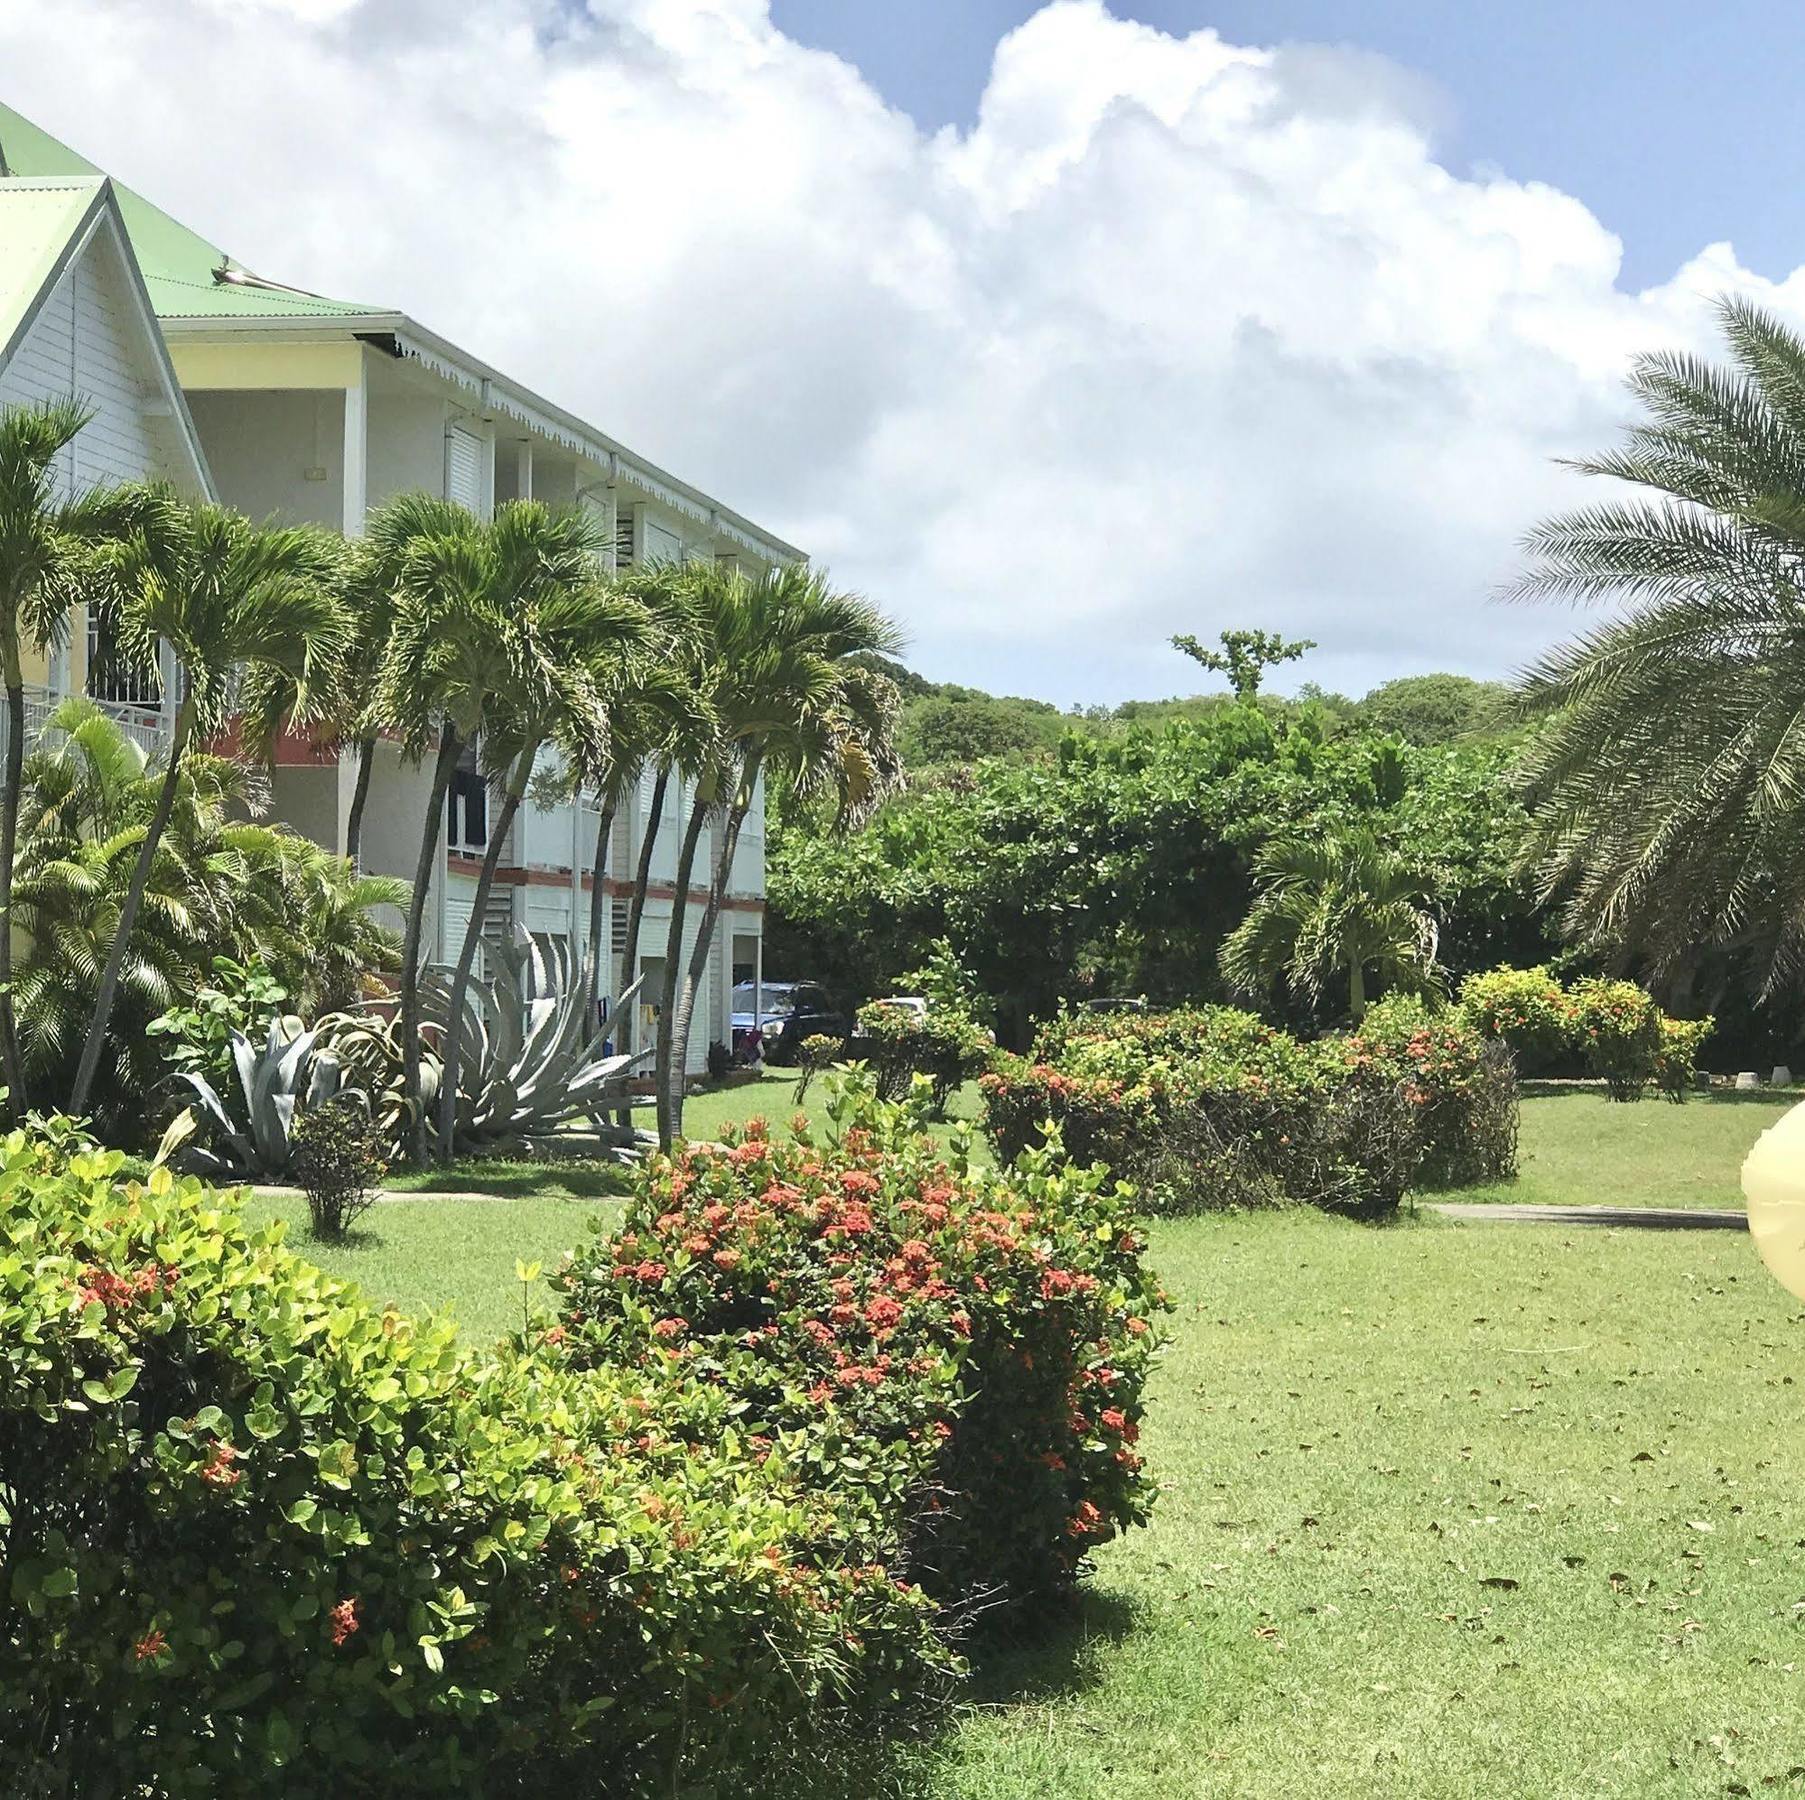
{"type": "Point", "coordinates": [232, 601]}
{"type": "Point", "coordinates": [42, 539]}
{"type": "Point", "coordinates": [773, 653]}
{"type": "Point", "coordinates": [1668, 777]}
{"type": "Point", "coordinates": [572, 639]}
{"type": "Point", "coordinates": [1331, 908]}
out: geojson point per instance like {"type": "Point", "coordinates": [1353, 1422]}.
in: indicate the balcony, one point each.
{"type": "Point", "coordinates": [143, 724]}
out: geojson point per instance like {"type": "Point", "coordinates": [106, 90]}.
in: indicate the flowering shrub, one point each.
{"type": "Point", "coordinates": [1209, 1107]}
{"type": "Point", "coordinates": [1527, 1009]}
{"type": "Point", "coordinates": [1608, 1028]}
{"type": "Point", "coordinates": [1676, 1061]}
{"type": "Point", "coordinates": [261, 1537]}
{"type": "Point", "coordinates": [946, 1045]}
{"type": "Point", "coordinates": [1461, 1087]}
{"type": "Point", "coordinates": [962, 1350]}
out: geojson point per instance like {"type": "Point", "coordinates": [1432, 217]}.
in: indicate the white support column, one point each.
{"type": "Point", "coordinates": [523, 469]}
{"type": "Point", "coordinates": [487, 508]}
{"type": "Point", "coordinates": [357, 452]}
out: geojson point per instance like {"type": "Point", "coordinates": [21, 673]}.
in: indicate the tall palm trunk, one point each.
{"type": "Point", "coordinates": [670, 1064]}
{"type": "Point", "coordinates": [721, 874]}
{"type": "Point", "coordinates": [410, 943]}
{"type": "Point", "coordinates": [627, 1032]}
{"type": "Point", "coordinates": [11, 1069]}
{"type": "Point", "coordinates": [598, 875]}
{"type": "Point", "coordinates": [360, 795]}
{"type": "Point", "coordinates": [108, 992]}
{"type": "Point", "coordinates": [460, 981]}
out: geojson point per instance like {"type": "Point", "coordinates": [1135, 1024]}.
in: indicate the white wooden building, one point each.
{"type": "Point", "coordinates": [312, 409]}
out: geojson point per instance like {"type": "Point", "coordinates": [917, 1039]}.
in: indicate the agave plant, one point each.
{"type": "Point", "coordinates": [529, 1064]}
{"type": "Point", "coordinates": [288, 1074]}
{"type": "Point", "coordinates": [368, 1050]}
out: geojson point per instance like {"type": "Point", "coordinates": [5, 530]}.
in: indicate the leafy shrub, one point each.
{"type": "Point", "coordinates": [261, 1537]}
{"type": "Point", "coordinates": [1462, 1089]}
{"type": "Point", "coordinates": [813, 1054]}
{"type": "Point", "coordinates": [1618, 1029]}
{"type": "Point", "coordinates": [1609, 1029]}
{"type": "Point", "coordinates": [242, 997]}
{"type": "Point", "coordinates": [337, 1157]}
{"type": "Point", "coordinates": [1676, 1061]}
{"type": "Point", "coordinates": [946, 1045]}
{"type": "Point", "coordinates": [1526, 1009]}
{"type": "Point", "coordinates": [964, 1350]}
{"type": "Point", "coordinates": [1209, 1107]}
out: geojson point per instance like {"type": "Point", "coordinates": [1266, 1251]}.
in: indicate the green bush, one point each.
{"type": "Point", "coordinates": [1608, 1029]}
{"type": "Point", "coordinates": [1525, 1009]}
{"type": "Point", "coordinates": [1617, 1027]}
{"type": "Point", "coordinates": [1676, 1061]}
{"type": "Point", "coordinates": [337, 1157]}
{"type": "Point", "coordinates": [946, 1045]}
{"type": "Point", "coordinates": [1209, 1107]}
{"type": "Point", "coordinates": [1461, 1087]}
{"type": "Point", "coordinates": [965, 1351]}
{"type": "Point", "coordinates": [261, 1537]}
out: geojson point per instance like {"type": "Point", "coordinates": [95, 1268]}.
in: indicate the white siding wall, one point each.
{"type": "Point", "coordinates": [280, 453]}
{"type": "Point", "coordinates": [83, 342]}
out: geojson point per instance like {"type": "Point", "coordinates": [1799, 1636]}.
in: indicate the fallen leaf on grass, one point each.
{"type": "Point", "coordinates": [1507, 1582]}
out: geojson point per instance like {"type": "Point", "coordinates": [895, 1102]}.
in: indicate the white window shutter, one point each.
{"type": "Point", "coordinates": [464, 468]}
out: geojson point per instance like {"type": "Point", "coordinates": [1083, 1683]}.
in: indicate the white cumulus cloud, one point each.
{"type": "Point", "coordinates": [1180, 334]}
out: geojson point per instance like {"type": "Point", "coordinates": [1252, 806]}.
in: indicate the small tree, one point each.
{"type": "Point", "coordinates": [1333, 907]}
{"type": "Point", "coordinates": [1245, 656]}
{"type": "Point", "coordinates": [236, 604]}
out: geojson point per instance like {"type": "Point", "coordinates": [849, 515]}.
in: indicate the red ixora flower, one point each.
{"type": "Point", "coordinates": [149, 1647]}
{"type": "Point", "coordinates": [217, 1470]}
{"type": "Point", "coordinates": [345, 1619]}
{"type": "Point", "coordinates": [668, 1328]}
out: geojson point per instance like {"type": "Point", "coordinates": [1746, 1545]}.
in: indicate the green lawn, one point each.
{"type": "Point", "coordinates": [1580, 1149]}
{"type": "Point", "coordinates": [1450, 1510]}
{"type": "Point", "coordinates": [772, 1094]}
{"type": "Point", "coordinates": [450, 1255]}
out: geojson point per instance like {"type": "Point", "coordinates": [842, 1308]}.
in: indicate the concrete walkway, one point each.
{"type": "Point", "coordinates": [1658, 1218]}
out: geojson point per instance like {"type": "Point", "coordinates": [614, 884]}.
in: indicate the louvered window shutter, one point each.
{"type": "Point", "coordinates": [623, 537]}
{"type": "Point", "coordinates": [464, 468]}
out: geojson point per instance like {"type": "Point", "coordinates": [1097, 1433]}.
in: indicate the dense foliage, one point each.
{"type": "Point", "coordinates": [1120, 865]}
{"type": "Point", "coordinates": [1210, 1107]}
{"type": "Point", "coordinates": [260, 1536]}
{"type": "Point", "coordinates": [966, 1351]}
{"type": "Point", "coordinates": [222, 892]}
{"type": "Point", "coordinates": [1609, 1029]}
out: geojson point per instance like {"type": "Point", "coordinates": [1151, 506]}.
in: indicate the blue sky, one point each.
{"type": "Point", "coordinates": [1675, 121]}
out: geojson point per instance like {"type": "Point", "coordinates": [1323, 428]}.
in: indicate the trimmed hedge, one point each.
{"type": "Point", "coordinates": [259, 1536]}
{"type": "Point", "coordinates": [1209, 1107]}
{"type": "Point", "coordinates": [965, 1351]}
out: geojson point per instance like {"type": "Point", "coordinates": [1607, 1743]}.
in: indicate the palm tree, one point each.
{"type": "Point", "coordinates": [230, 599]}
{"type": "Point", "coordinates": [571, 638]}
{"type": "Point", "coordinates": [1331, 907]}
{"type": "Point", "coordinates": [1668, 776]}
{"type": "Point", "coordinates": [219, 884]}
{"type": "Point", "coordinates": [41, 545]}
{"type": "Point", "coordinates": [773, 653]}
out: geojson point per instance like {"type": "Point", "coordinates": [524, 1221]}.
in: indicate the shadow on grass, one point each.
{"type": "Point", "coordinates": [1045, 1660]}
{"type": "Point", "coordinates": [1534, 1089]}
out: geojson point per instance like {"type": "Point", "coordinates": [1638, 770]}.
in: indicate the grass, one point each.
{"type": "Point", "coordinates": [455, 1256]}
{"type": "Point", "coordinates": [1450, 1511]}
{"type": "Point", "coordinates": [1580, 1149]}
{"type": "Point", "coordinates": [772, 1094]}
{"type": "Point", "coordinates": [508, 1178]}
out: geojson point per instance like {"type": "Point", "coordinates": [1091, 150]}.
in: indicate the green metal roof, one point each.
{"type": "Point", "coordinates": [37, 220]}
{"type": "Point", "coordinates": [186, 276]}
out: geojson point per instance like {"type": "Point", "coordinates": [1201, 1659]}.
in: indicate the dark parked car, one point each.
{"type": "Point", "coordinates": [785, 1012]}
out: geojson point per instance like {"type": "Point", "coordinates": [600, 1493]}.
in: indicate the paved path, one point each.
{"type": "Point", "coordinates": [1659, 1218]}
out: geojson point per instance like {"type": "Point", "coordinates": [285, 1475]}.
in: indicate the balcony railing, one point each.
{"type": "Point", "coordinates": [142, 724]}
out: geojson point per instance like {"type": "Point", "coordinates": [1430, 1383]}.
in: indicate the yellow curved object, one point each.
{"type": "Point", "coordinates": [1773, 1184]}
